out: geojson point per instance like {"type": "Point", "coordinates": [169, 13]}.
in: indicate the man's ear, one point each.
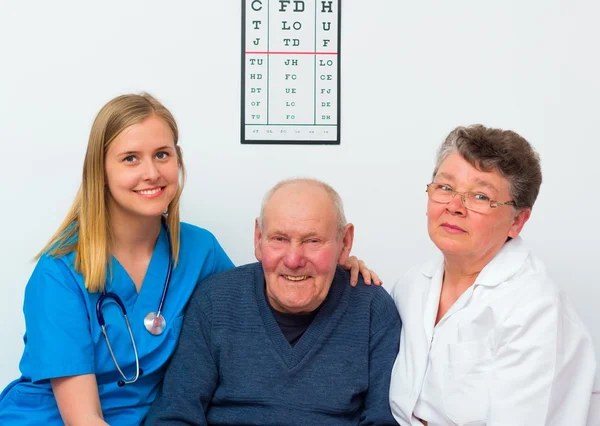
{"type": "Point", "coordinates": [347, 241]}
{"type": "Point", "coordinates": [257, 237]}
{"type": "Point", "coordinates": [518, 222]}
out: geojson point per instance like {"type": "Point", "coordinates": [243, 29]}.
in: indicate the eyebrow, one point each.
{"type": "Point", "coordinates": [445, 176]}
{"type": "Point", "coordinates": [486, 184]}
{"type": "Point", "coordinates": [302, 237]}
{"type": "Point", "coordinates": [162, 148]}
{"type": "Point", "coordinates": [277, 232]}
{"type": "Point", "coordinates": [479, 182]}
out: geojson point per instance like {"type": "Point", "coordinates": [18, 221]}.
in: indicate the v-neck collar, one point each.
{"type": "Point", "coordinates": [150, 290]}
{"type": "Point", "coordinates": [431, 302]}
{"type": "Point", "coordinates": [332, 309]}
{"type": "Point", "coordinates": [506, 263]}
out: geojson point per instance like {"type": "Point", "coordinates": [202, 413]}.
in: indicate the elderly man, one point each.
{"type": "Point", "coordinates": [286, 341]}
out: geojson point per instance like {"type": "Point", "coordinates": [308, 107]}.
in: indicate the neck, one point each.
{"type": "Point", "coordinates": [459, 277]}
{"type": "Point", "coordinates": [134, 235]}
{"type": "Point", "coordinates": [461, 271]}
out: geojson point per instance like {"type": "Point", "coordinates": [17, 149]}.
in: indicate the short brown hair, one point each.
{"type": "Point", "coordinates": [505, 151]}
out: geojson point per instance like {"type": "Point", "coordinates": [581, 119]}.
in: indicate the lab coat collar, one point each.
{"type": "Point", "coordinates": [504, 265]}
{"type": "Point", "coordinates": [429, 268]}
{"type": "Point", "coordinates": [507, 262]}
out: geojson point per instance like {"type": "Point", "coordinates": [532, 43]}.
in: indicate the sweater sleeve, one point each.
{"type": "Point", "coordinates": [383, 348]}
{"type": "Point", "coordinates": [191, 377]}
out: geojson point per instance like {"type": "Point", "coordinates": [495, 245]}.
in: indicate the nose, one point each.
{"type": "Point", "coordinates": [294, 257]}
{"type": "Point", "coordinates": [151, 171]}
{"type": "Point", "coordinates": [456, 205]}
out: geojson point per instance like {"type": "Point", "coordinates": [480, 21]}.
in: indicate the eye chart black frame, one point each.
{"type": "Point", "coordinates": [291, 72]}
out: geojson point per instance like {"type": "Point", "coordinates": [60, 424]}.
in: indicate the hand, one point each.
{"type": "Point", "coordinates": [355, 266]}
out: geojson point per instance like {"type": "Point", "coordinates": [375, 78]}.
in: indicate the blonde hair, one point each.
{"type": "Point", "coordinates": [86, 228]}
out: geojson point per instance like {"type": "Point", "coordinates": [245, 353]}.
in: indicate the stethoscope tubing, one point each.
{"type": "Point", "coordinates": [163, 297]}
{"type": "Point", "coordinates": [113, 296]}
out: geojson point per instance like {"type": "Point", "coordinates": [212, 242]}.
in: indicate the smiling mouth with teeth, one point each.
{"type": "Point", "coordinates": [150, 191]}
{"type": "Point", "coordinates": [293, 278]}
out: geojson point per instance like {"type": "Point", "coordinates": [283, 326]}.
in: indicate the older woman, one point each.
{"type": "Point", "coordinates": [488, 338]}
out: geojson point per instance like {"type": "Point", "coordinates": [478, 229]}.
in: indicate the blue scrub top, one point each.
{"type": "Point", "coordinates": [63, 337]}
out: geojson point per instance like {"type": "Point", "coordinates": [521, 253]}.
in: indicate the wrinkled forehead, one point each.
{"type": "Point", "coordinates": [459, 172]}
{"type": "Point", "coordinates": [300, 206]}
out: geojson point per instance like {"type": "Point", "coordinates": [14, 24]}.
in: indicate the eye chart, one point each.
{"type": "Point", "coordinates": [290, 72]}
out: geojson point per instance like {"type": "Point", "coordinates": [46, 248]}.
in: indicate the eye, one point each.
{"type": "Point", "coordinates": [278, 239]}
{"type": "Point", "coordinates": [129, 159]}
{"type": "Point", "coordinates": [162, 155]}
{"type": "Point", "coordinates": [443, 187]}
{"type": "Point", "coordinates": [481, 197]}
{"type": "Point", "coordinates": [312, 241]}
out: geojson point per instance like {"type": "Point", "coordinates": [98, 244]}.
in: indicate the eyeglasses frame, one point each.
{"type": "Point", "coordinates": [493, 203]}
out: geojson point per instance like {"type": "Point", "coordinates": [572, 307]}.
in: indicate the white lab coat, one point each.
{"type": "Point", "coordinates": [511, 350]}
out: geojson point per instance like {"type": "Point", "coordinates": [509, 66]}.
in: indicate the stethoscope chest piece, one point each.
{"type": "Point", "coordinates": [155, 323]}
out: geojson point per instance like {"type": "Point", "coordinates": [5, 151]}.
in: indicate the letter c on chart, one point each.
{"type": "Point", "coordinates": [259, 7]}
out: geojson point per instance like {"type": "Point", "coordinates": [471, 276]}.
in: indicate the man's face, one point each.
{"type": "Point", "coordinates": [299, 246]}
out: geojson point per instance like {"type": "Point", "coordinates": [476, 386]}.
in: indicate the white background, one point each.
{"type": "Point", "coordinates": [411, 71]}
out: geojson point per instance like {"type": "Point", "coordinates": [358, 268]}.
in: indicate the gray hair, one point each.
{"type": "Point", "coordinates": [505, 151]}
{"type": "Point", "coordinates": [336, 200]}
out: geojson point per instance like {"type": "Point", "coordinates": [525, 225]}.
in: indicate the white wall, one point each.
{"type": "Point", "coordinates": [411, 72]}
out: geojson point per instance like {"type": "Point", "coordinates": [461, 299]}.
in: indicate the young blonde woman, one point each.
{"type": "Point", "coordinates": [104, 305]}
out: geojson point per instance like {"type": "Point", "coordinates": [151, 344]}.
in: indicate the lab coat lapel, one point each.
{"type": "Point", "coordinates": [433, 273]}
{"type": "Point", "coordinates": [420, 311]}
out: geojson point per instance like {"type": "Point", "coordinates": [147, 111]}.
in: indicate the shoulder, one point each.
{"type": "Point", "coordinates": [530, 303]}
{"type": "Point", "coordinates": [236, 276]}
{"type": "Point", "coordinates": [533, 313]}
{"type": "Point", "coordinates": [53, 276]}
{"type": "Point", "coordinates": [59, 268]}
{"type": "Point", "coordinates": [377, 295]}
{"type": "Point", "coordinates": [383, 311]}
{"type": "Point", "coordinates": [200, 246]}
{"type": "Point", "coordinates": [236, 281]}
{"type": "Point", "coordinates": [192, 234]}
{"type": "Point", "coordinates": [533, 277]}
{"type": "Point", "coordinates": [532, 289]}
{"type": "Point", "coordinates": [362, 291]}
{"type": "Point", "coordinates": [517, 276]}
{"type": "Point", "coordinates": [414, 281]}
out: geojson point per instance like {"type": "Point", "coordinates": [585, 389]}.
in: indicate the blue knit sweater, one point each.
{"type": "Point", "coordinates": [233, 366]}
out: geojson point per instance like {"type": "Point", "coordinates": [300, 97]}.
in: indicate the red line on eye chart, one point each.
{"type": "Point", "coordinates": [291, 71]}
{"type": "Point", "coordinates": [291, 53]}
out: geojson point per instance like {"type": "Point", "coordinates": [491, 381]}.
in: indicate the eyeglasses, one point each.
{"type": "Point", "coordinates": [480, 203]}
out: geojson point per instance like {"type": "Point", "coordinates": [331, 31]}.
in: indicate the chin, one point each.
{"type": "Point", "coordinates": [148, 214]}
{"type": "Point", "coordinates": [449, 245]}
{"type": "Point", "coordinates": [295, 309]}
{"type": "Point", "coordinates": [296, 305]}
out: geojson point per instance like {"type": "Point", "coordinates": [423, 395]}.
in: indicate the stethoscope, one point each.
{"type": "Point", "coordinates": [154, 322]}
